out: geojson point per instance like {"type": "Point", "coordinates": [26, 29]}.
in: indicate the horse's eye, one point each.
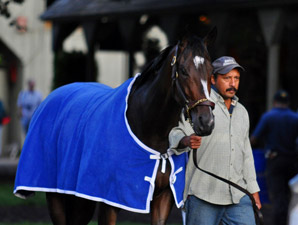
{"type": "Point", "coordinates": [183, 71]}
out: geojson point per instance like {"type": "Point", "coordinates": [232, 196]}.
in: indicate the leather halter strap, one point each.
{"type": "Point", "coordinates": [188, 106]}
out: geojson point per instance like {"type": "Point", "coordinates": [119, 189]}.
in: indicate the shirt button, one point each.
{"type": "Point", "coordinates": [232, 149]}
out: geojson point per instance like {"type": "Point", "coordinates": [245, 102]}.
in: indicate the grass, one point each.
{"type": "Point", "coordinates": [9, 199]}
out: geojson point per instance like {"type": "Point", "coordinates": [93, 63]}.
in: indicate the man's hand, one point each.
{"type": "Point", "coordinates": [193, 141]}
{"type": "Point", "coordinates": [257, 199]}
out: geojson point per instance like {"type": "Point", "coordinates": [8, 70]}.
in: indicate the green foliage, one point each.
{"type": "Point", "coordinates": [8, 199]}
{"type": "Point", "coordinates": [70, 67]}
{"type": "Point", "coordinates": [151, 49]}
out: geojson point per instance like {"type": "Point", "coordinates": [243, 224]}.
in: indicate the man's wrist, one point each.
{"type": "Point", "coordinates": [183, 142]}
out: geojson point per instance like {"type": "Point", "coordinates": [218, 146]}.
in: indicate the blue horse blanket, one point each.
{"type": "Point", "coordinates": [79, 142]}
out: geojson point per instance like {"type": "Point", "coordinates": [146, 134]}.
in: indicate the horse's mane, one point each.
{"type": "Point", "coordinates": [194, 44]}
{"type": "Point", "coordinates": [152, 67]}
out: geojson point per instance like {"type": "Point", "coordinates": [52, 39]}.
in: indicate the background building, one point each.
{"type": "Point", "coordinates": [25, 53]}
{"type": "Point", "coordinates": [260, 34]}
{"type": "Point", "coordinates": [114, 38]}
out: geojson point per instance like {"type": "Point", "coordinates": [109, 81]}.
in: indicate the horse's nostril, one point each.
{"type": "Point", "coordinates": [205, 121]}
{"type": "Point", "coordinates": [205, 125]}
{"type": "Point", "coordinates": [201, 120]}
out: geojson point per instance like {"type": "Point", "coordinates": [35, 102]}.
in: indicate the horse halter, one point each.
{"type": "Point", "coordinates": [188, 105]}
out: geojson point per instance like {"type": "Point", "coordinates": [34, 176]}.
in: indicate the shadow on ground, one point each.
{"type": "Point", "coordinates": [13, 214]}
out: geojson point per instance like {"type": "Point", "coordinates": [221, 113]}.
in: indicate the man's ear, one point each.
{"type": "Point", "coordinates": [212, 79]}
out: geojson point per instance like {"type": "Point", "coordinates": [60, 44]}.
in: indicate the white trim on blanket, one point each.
{"type": "Point", "coordinates": [151, 179]}
{"type": "Point", "coordinates": [61, 191]}
{"type": "Point", "coordinates": [172, 181]}
{"type": "Point", "coordinates": [142, 145]}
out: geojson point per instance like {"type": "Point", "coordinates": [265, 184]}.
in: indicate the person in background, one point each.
{"type": "Point", "coordinates": [226, 153]}
{"type": "Point", "coordinates": [278, 129]}
{"type": "Point", "coordinates": [28, 101]}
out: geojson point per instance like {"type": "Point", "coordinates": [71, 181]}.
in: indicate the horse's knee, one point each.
{"type": "Point", "coordinates": [68, 209]}
{"type": "Point", "coordinates": [107, 215]}
{"type": "Point", "coordinates": [56, 208]}
{"type": "Point", "coordinates": [161, 207]}
{"type": "Point", "coordinates": [81, 211]}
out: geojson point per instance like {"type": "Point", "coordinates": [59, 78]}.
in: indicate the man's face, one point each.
{"type": "Point", "coordinates": [227, 84]}
{"type": "Point", "coordinates": [31, 85]}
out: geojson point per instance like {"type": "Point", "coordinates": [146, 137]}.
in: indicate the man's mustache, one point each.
{"type": "Point", "coordinates": [232, 89]}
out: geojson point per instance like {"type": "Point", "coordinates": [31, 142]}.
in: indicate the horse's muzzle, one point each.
{"type": "Point", "coordinates": [203, 124]}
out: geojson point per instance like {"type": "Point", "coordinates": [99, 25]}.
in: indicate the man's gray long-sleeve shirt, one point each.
{"type": "Point", "coordinates": [226, 152]}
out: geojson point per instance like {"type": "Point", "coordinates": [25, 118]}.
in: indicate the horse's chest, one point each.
{"type": "Point", "coordinates": [162, 179]}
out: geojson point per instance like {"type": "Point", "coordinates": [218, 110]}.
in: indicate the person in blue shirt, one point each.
{"type": "Point", "coordinates": [278, 129]}
{"type": "Point", "coordinates": [28, 101]}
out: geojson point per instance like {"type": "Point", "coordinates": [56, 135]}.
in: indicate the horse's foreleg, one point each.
{"type": "Point", "coordinates": [161, 206]}
{"type": "Point", "coordinates": [68, 209]}
{"type": "Point", "coordinates": [107, 215]}
{"type": "Point", "coordinates": [56, 208]}
{"type": "Point", "coordinates": [79, 211]}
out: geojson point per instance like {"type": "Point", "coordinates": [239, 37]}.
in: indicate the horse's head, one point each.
{"type": "Point", "coordinates": [191, 74]}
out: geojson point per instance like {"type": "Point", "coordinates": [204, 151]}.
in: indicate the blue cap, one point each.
{"type": "Point", "coordinates": [225, 64]}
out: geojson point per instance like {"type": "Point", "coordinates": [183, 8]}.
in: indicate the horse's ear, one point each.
{"type": "Point", "coordinates": [182, 43]}
{"type": "Point", "coordinates": [209, 39]}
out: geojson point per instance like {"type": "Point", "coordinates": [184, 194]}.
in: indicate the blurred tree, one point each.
{"type": "Point", "coordinates": [69, 68]}
{"type": "Point", "coordinates": [151, 49]}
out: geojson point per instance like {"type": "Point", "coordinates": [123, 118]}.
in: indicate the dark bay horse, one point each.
{"type": "Point", "coordinates": [178, 78]}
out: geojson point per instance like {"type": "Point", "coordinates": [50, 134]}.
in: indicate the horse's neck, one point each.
{"type": "Point", "coordinates": [153, 112]}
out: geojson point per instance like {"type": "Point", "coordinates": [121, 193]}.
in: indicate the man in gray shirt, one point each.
{"type": "Point", "coordinates": [226, 152]}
